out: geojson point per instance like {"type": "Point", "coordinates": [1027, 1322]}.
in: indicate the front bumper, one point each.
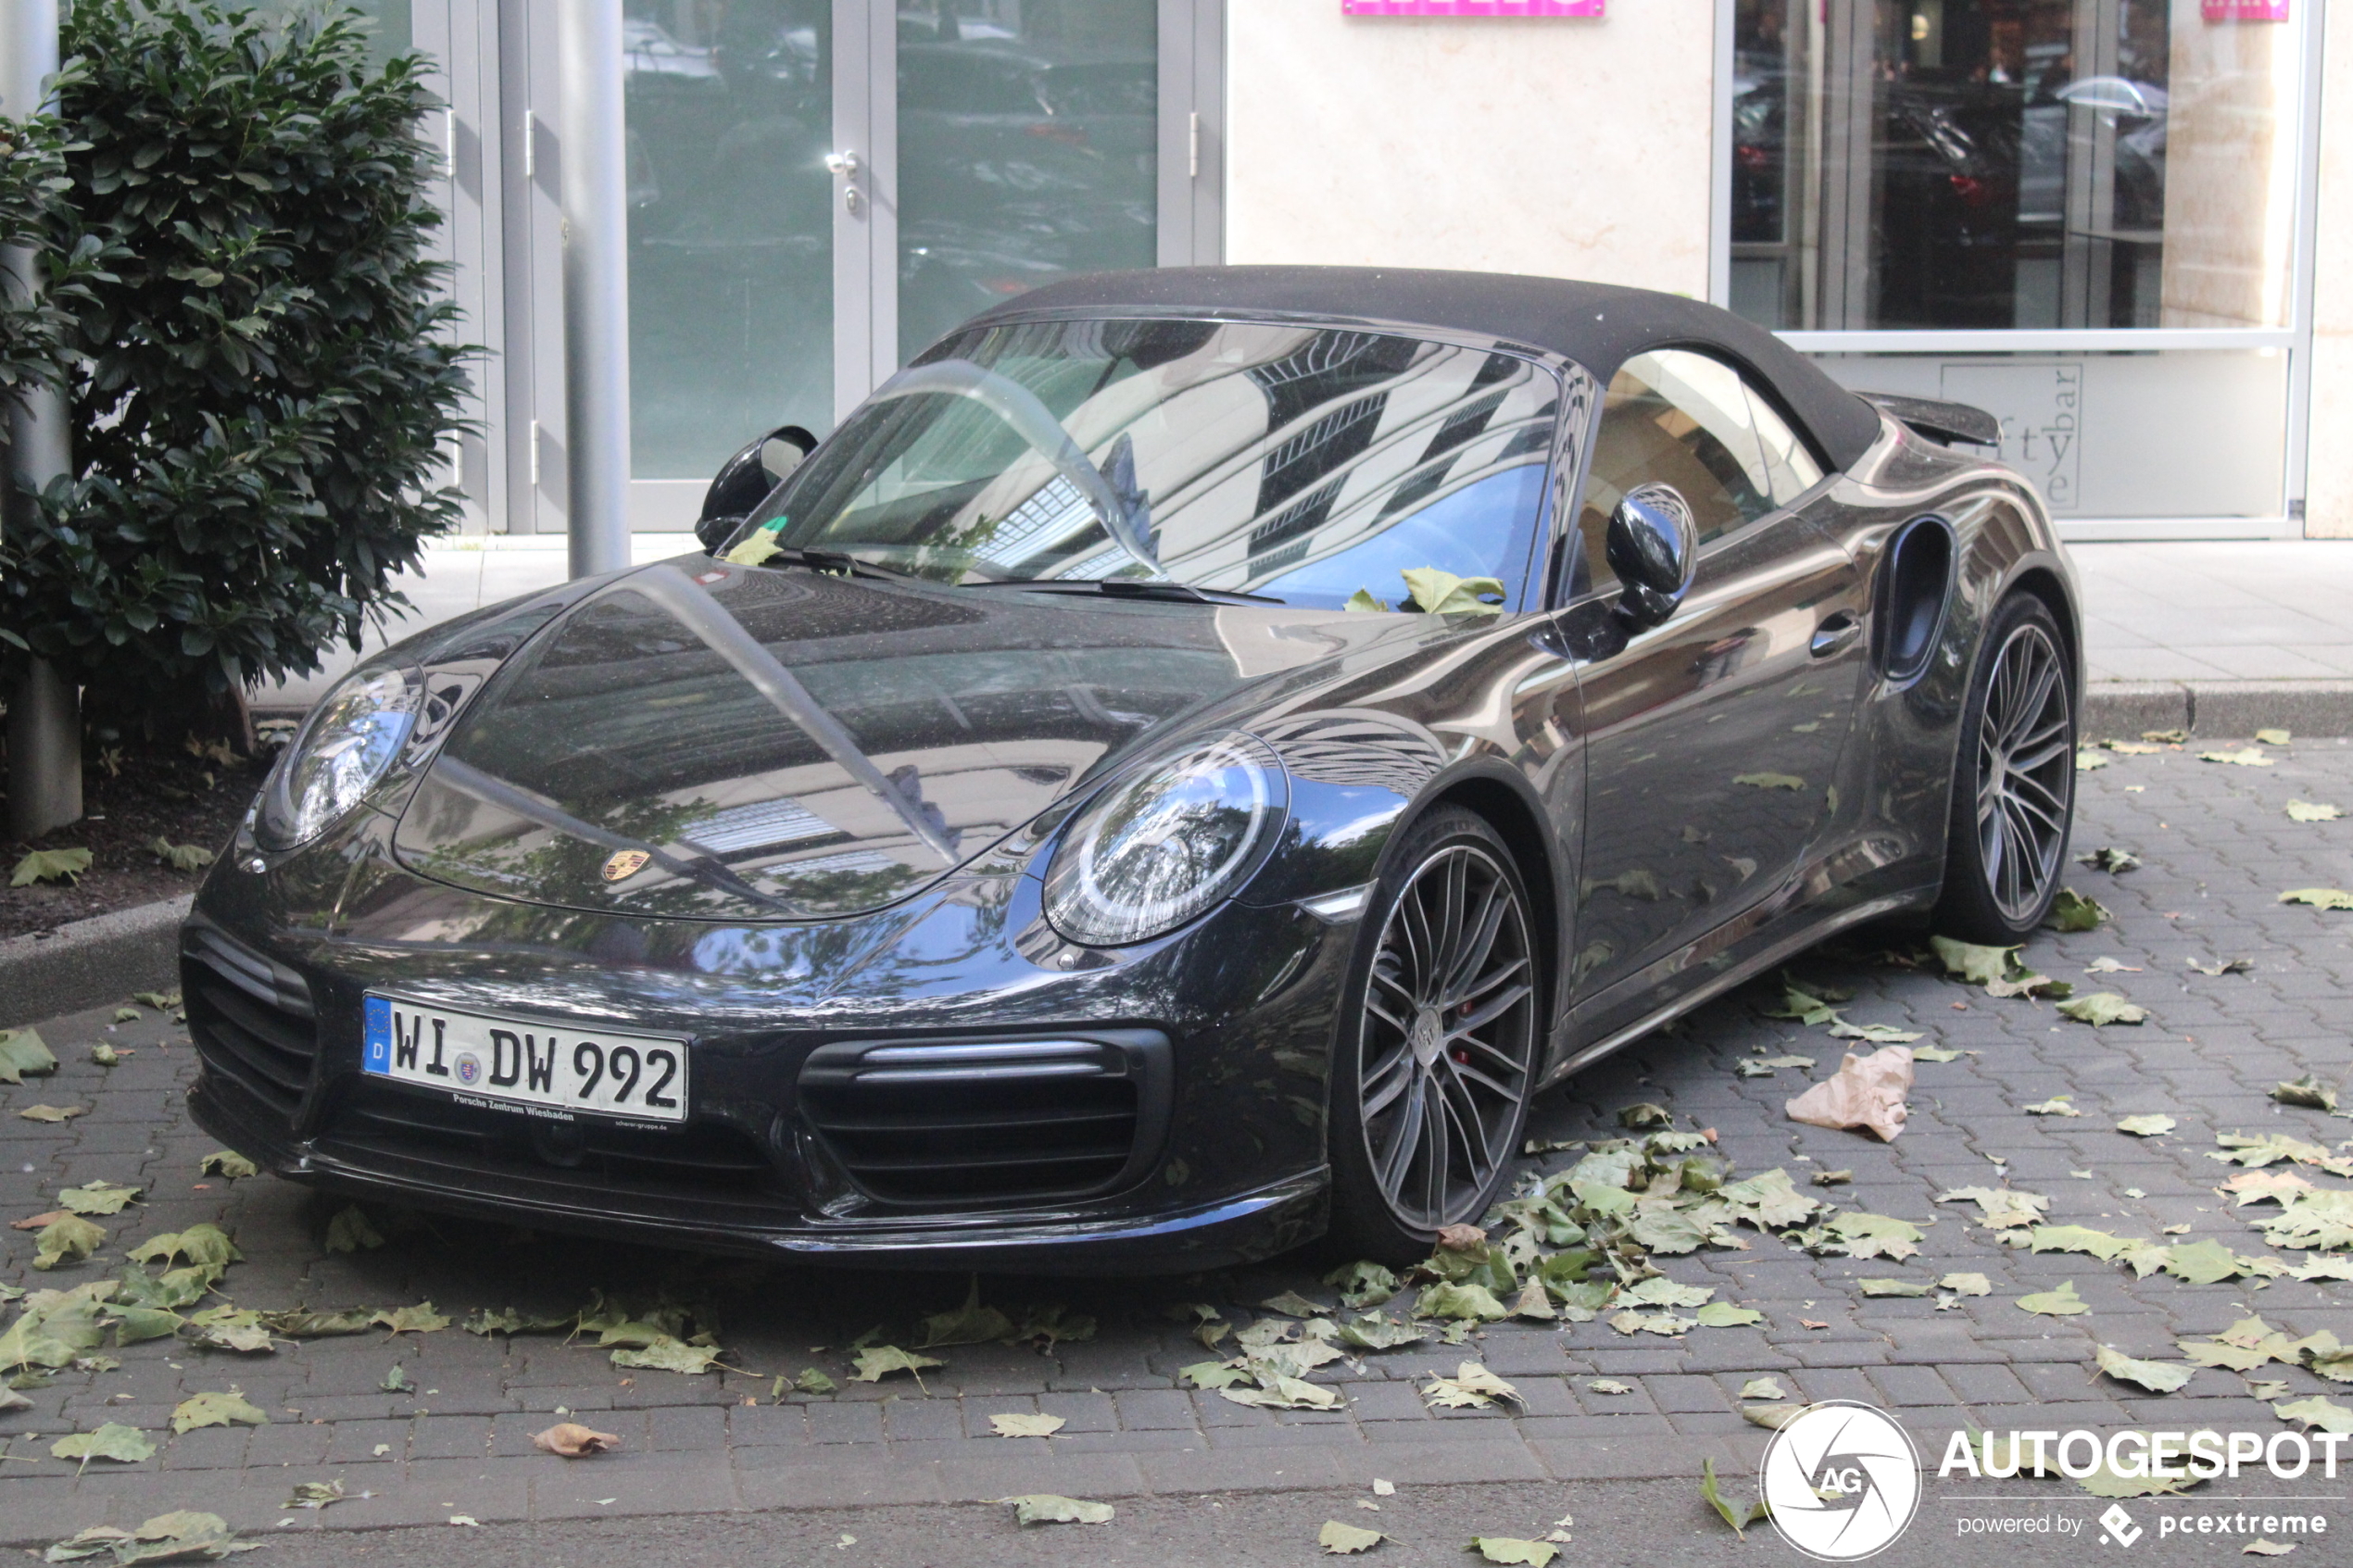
{"type": "Point", "coordinates": [1241, 1229]}
{"type": "Point", "coordinates": [1226, 1168]}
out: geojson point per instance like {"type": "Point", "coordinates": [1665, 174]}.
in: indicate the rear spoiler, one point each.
{"type": "Point", "coordinates": [1940, 421]}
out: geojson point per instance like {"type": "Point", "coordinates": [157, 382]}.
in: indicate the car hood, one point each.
{"type": "Point", "coordinates": [736, 742]}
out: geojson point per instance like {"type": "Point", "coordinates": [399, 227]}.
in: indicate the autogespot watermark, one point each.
{"type": "Point", "coordinates": [2137, 1455]}
{"type": "Point", "coordinates": [1844, 1480]}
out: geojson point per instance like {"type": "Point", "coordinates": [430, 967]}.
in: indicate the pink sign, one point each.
{"type": "Point", "coordinates": [1484, 8]}
{"type": "Point", "coordinates": [2246, 10]}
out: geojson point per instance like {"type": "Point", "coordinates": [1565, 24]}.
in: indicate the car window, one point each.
{"type": "Point", "coordinates": [1675, 417]}
{"type": "Point", "coordinates": [1303, 463]}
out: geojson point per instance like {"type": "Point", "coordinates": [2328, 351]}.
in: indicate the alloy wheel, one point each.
{"type": "Point", "coordinates": [2025, 772]}
{"type": "Point", "coordinates": [1449, 1037]}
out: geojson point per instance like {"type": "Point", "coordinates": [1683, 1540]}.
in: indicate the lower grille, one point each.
{"type": "Point", "coordinates": [991, 1122]}
{"type": "Point", "coordinates": [251, 1017]}
{"type": "Point", "coordinates": [703, 1158]}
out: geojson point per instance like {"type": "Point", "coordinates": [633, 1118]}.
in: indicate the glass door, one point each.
{"type": "Point", "coordinates": [816, 189]}
{"type": "Point", "coordinates": [1028, 137]}
{"type": "Point", "coordinates": [731, 221]}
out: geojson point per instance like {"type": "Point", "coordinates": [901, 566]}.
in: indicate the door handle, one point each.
{"type": "Point", "coordinates": [845, 165]}
{"type": "Point", "coordinates": [1834, 634]}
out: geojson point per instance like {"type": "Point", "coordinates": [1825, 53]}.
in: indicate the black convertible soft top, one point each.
{"type": "Point", "coordinates": [1599, 325]}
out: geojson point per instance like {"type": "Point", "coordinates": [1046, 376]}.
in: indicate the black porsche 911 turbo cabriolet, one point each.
{"type": "Point", "coordinates": [1172, 775]}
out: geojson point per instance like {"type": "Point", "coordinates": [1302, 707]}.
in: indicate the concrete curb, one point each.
{"type": "Point", "coordinates": [103, 958]}
{"type": "Point", "coordinates": [2218, 708]}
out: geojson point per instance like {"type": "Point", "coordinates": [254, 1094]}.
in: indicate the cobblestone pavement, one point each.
{"type": "Point", "coordinates": [2217, 848]}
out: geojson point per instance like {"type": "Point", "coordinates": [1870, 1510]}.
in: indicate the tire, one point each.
{"type": "Point", "coordinates": [2013, 781]}
{"type": "Point", "coordinates": [1427, 1117]}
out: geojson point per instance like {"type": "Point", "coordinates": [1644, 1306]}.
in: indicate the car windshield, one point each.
{"type": "Point", "coordinates": [1304, 464]}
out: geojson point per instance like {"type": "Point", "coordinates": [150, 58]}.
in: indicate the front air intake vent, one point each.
{"type": "Point", "coordinates": [991, 1122]}
{"type": "Point", "coordinates": [251, 1017]}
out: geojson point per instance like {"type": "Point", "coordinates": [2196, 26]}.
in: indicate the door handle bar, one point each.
{"type": "Point", "coordinates": [1834, 634]}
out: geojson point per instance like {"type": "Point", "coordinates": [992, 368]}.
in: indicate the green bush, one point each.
{"type": "Point", "coordinates": [265, 385]}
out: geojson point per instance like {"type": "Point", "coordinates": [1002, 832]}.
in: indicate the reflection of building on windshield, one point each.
{"type": "Point", "coordinates": [1304, 464]}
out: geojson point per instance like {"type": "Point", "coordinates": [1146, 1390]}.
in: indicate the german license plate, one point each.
{"type": "Point", "coordinates": [528, 1067]}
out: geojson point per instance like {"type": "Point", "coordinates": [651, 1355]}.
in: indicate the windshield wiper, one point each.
{"type": "Point", "coordinates": [841, 563]}
{"type": "Point", "coordinates": [1138, 588]}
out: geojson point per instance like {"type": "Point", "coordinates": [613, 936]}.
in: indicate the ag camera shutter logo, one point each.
{"type": "Point", "coordinates": [1844, 1480]}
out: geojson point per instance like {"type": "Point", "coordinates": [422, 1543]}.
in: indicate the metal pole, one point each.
{"type": "Point", "coordinates": [45, 717]}
{"type": "Point", "coordinates": [592, 150]}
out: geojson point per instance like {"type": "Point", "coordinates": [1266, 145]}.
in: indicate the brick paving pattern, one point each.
{"type": "Point", "coordinates": [2218, 850]}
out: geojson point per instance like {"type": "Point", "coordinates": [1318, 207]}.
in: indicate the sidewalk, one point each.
{"type": "Point", "coordinates": [2228, 637]}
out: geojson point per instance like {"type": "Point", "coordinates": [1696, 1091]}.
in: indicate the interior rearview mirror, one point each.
{"type": "Point", "coordinates": [744, 481]}
{"type": "Point", "coordinates": [1654, 547]}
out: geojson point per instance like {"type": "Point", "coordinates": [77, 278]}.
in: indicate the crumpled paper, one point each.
{"type": "Point", "coordinates": [1866, 1092]}
{"type": "Point", "coordinates": [573, 1440]}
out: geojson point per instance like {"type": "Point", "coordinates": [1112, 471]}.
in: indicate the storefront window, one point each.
{"type": "Point", "coordinates": [730, 116]}
{"type": "Point", "coordinates": [2012, 164]}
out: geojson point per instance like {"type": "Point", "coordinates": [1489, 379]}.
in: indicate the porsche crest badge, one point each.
{"type": "Point", "coordinates": [625, 863]}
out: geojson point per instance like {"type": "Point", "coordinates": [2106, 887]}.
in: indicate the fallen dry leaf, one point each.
{"type": "Point", "coordinates": [1338, 1538]}
{"type": "Point", "coordinates": [2307, 1091]}
{"type": "Point", "coordinates": [314, 1495]}
{"type": "Point", "coordinates": [2060, 1303]}
{"type": "Point", "coordinates": [573, 1441]}
{"type": "Point", "coordinates": [1046, 1508]}
{"type": "Point", "coordinates": [2158, 1377]}
{"type": "Point", "coordinates": [1740, 1516]}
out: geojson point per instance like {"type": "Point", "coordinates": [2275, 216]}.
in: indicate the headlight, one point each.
{"type": "Point", "coordinates": [1150, 853]}
{"type": "Point", "coordinates": [349, 741]}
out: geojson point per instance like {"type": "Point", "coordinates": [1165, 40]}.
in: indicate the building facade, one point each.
{"type": "Point", "coordinates": [2118, 224]}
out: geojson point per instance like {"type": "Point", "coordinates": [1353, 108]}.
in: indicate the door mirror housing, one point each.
{"type": "Point", "coordinates": [1654, 547]}
{"type": "Point", "coordinates": [744, 479]}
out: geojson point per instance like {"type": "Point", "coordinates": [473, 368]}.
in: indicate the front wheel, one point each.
{"type": "Point", "coordinates": [1439, 1041]}
{"type": "Point", "coordinates": [2013, 781]}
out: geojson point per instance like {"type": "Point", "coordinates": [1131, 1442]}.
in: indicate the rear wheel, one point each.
{"type": "Point", "coordinates": [1439, 1041]}
{"type": "Point", "coordinates": [2014, 781]}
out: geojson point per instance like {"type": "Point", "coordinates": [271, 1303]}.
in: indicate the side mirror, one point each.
{"type": "Point", "coordinates": [744, 481]}
{"type": "Point", "coordinates": [1654, 547]}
